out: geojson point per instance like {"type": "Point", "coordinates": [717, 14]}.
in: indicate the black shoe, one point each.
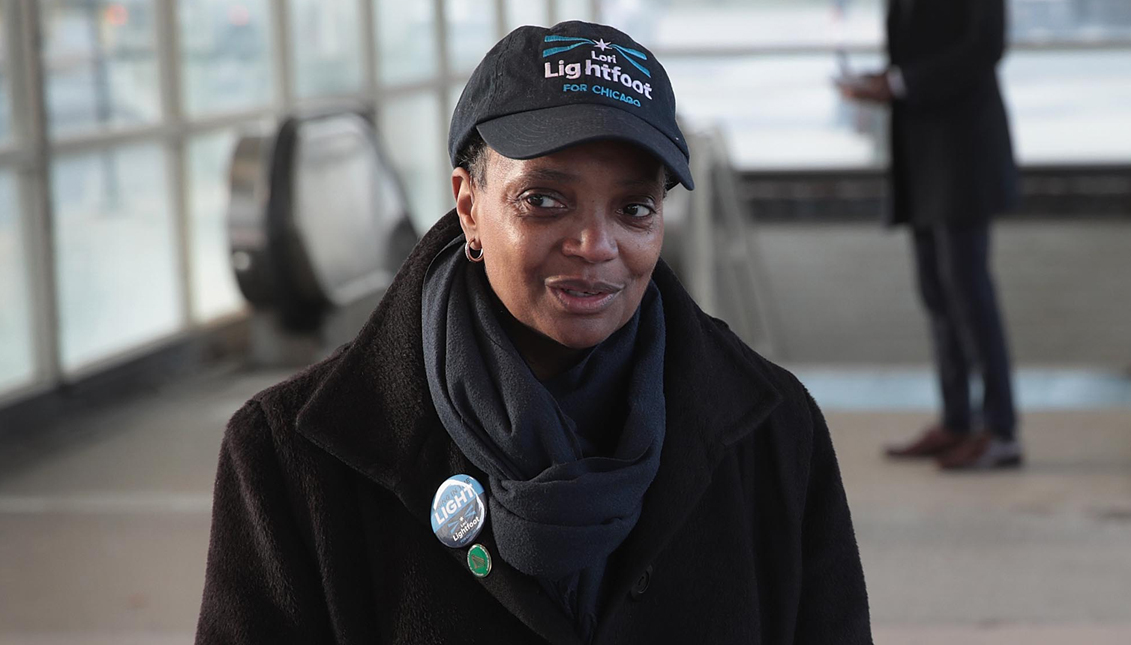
{"type": "Point", "coordinates": [982, 452]}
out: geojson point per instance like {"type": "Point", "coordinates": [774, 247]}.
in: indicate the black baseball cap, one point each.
{"type": "Point", "coordinates": [541, 90]}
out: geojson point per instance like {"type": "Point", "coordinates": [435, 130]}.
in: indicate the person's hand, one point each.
{"type": "Point", "coordinates": [873, 88]}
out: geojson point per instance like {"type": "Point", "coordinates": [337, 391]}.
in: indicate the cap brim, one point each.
{"type": "Point", "coordinates": [535, 133]}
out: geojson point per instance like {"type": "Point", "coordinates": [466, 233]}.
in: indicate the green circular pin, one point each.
{"type": "Point", "coordinates": [478, 560]}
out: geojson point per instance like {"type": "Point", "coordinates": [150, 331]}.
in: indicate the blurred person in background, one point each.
{"type": "Point", "coordinates": [952, 170]}
{"type": "Point", "coordinates": [538, 436]}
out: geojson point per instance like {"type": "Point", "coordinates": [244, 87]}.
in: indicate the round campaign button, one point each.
{"type": "Point", "coordinates": [459, 511]}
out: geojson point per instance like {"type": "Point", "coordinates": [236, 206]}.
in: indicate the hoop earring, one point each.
{"type": "Point", "coordinates": [467, 252]}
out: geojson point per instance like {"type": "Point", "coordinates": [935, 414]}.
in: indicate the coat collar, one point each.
{"type": "Point", "coordinates": [373, 411]}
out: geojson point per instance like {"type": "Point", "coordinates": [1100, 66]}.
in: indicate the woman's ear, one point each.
{"type": "Point", "coordinates": [464, 193]}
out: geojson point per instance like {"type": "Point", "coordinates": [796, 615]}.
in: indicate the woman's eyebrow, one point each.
{"type": "Point", "coordinates": [545, 174]}
{"type": "Point", "coordinates": [643, 182]}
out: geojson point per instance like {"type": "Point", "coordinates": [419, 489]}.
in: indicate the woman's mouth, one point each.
{"type": "Point", "coordinates": [583, 297]}
{"type": "Point", "coordinates": [581, 294]}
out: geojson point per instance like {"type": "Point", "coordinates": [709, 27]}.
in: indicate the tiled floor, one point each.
{"type": "Point", "coordinates": [102, 538]}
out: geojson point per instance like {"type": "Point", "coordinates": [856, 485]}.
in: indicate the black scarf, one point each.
{"type": "Point", "coordinates": [558, 506]}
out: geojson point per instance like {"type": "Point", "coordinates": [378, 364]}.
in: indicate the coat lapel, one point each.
{"type": "Point", "coordinates": [373, 412]}
{"type": "Point", "coordinates": [522, 595]}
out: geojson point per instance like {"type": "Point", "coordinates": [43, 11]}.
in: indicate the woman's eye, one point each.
{"type": "Point", "coordinates": [638, 210]}
{"type": "Point", "coordinates": [543, 201]}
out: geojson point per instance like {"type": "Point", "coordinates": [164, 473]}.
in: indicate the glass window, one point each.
{"type": "Point", "coordinates": [214, 289]}
{"type": "Point", "coordinates": [527, 12]}
{"type": "Point", "coordinates": [1065, 106]}
{"type": "Point", "coordinates": [410, 127]}
{"type": "Point", "coordinates": [5, 101]}
{"type": "Point", "coordinates": [742, 23]}
{"type": "Point", "coordinates": [471, 32]}
{"type": "Point", "coordinates": [1070, 19]}
{"type": "Point", "coordinates": [17, 358]}
{"type": "Point", "coordinates": [406, 38]}
{"type": "Point", "coordinates": [115, 252]}
{"type": "Point", "coordinates": [100, 63]}
{"type": "Point", "coordinates": [454, 92]}
{"type": "Point", "coordinates": [781, 111]}
{"type": "Point", "coordinates": [325, 47]}
{"type": "Point", "coordinates": [226, 53]}
{"type": "Point", "coordinates": [575, 10]}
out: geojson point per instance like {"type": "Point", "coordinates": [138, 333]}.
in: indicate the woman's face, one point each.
{"type": "Point", "coordinates": [569, 239]}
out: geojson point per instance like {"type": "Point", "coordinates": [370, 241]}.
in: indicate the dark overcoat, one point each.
{"type": "Point", "coordinates": [321, 527]}
{"type": "Point", "coordinates": [951, 152]}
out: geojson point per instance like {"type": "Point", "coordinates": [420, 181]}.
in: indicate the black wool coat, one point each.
{"type": "Point", "coordinates": [951, 151]}
{"type": "Point", "coordinates": [321, 527]}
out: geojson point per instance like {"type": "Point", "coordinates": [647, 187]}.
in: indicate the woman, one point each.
{"type": "Point", "coordinates": [538, 437]}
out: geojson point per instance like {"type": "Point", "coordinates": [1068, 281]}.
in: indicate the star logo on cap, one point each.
{"type": "Point", "coordinates": [601, 44]}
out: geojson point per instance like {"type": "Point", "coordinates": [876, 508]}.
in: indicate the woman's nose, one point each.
{"type": "Point", "coordinates": [594, 240]}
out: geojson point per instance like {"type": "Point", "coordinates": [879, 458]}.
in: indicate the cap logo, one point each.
{"type": "Point", "coordinates": [602, 66]}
